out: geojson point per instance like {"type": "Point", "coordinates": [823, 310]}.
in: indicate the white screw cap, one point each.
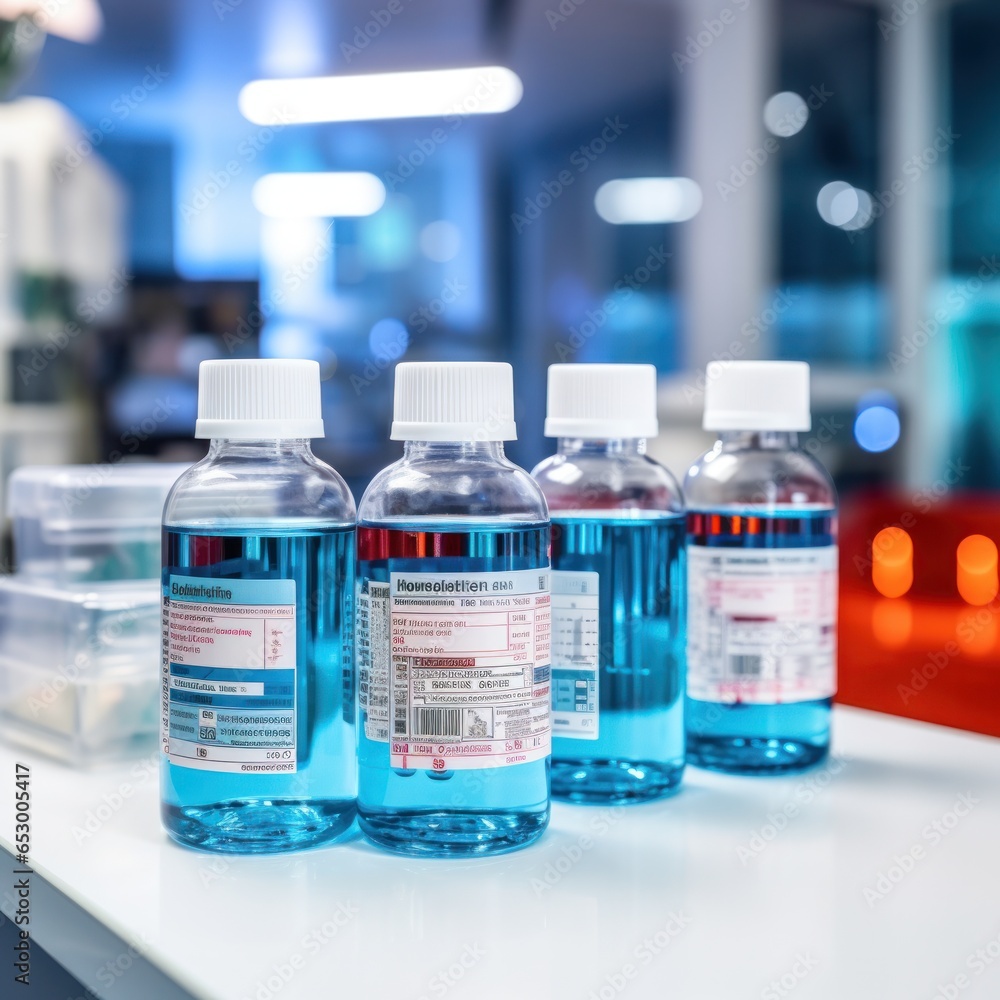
{"type": "Point", "coordinates": [259, 399]}
{"type": "Point", "coordinates": [453, 401]}
{"type": "Point", "coordinates": [602, 401]}
{"type": "Point", "coordinates": [757, 396]}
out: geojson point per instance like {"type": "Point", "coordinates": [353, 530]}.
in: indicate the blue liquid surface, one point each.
{"type": "Point", "coordinates": [639, 752]}
{"type": "Point", "coordinates": [752, 738]}
{"type": "Point", "coordinates": [458, 812]}
{"type": "Point", "coordinates": [265, 813]}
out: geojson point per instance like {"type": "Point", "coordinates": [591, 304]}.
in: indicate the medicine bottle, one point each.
{"type": "Point", "coordinates": [618, 589]}
{"type": "Point", "coordinates": [258, 585]}
{"type": "Point", "coordinates": [453, 625]}
{"type": "Point", "coordinates": [762, 577]}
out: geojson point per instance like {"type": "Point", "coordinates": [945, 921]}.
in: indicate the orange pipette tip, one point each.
{"type": "Point", "coordinates": [977, 569]}
{"type": "Point", "coordinates": [892, 562]}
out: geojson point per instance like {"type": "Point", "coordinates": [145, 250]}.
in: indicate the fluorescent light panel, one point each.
{"type": "Point", "coordinates": [477, 90]}
{"type": "Point", "coordinates": [648, 199]}
{"type": "Point", "coordinates": [324, 195]}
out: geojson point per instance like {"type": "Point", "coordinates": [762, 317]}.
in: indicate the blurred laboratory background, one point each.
{"type": "Point", "coordinates": [663, 181]}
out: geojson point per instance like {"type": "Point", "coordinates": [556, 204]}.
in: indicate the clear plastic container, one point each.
{"type": "Point", "coordinates": [79, 668]}
{"type": "Point", "coordinates": [89, 524]}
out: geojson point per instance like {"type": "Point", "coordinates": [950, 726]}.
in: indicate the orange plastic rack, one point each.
{"type": "Point", "coordinates": [929, 654]}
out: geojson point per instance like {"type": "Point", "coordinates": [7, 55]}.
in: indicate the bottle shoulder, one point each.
{"type": "Point", "coordinates": [301, 490]}
{"type": "Point", "coordinates": [608, 482]}
{"type": "Point", "coordinates": [758, 476]}
{"type": "Point", "coordinates": [429, 488]}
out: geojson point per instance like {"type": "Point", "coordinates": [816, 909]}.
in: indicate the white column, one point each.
{"type": "Point", "coordinates": [727, 254]}
{"type": "Point", "coordinates": [911, 78]}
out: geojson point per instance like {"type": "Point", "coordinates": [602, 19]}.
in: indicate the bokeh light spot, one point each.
{"type": "Point", "coordinates": [876, 428]}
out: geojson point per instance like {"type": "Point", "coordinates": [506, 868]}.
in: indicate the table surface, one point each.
{"type": "Point", "coordinates": [876, 875]}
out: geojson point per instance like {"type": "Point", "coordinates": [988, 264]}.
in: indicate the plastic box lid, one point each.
{"type": "Point", "coordinates": [79, 668]}
{"type": "Point", "coordinates": [88, 504]}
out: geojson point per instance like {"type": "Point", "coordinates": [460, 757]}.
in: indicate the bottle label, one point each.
{"type": "Point", "coordinates": [575, 654]}
{"type": "Point", "coordinates": [373, 652]}
{"type": "Point", "coordinates": [453, 668]}
{"type": "Point", "coordinates": [762, 624]}
{"type": "Point", "coordinates": [228, 695]}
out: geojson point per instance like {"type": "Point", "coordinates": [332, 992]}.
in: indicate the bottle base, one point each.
{"type": "Point", "coordinates": [613, 782]}
{"type": "Point", "coordinates": [754, 755]}
{"type": "Point", "coordinates": [452, 834]}
{"type": "Point", "coordinates": [259, 826]}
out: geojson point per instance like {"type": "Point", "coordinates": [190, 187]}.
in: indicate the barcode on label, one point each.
{"type": "Point", "coordinates": [437, 722]}
{"type": "Point", "coordinates": [399, 722]}
{"type": "Point", "coordinates": [746, 666]}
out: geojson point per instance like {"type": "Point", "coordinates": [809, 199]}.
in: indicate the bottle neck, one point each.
{"type": "Point", "coordinates": [758, 440]}
{"type": "Point", "coordinates": [612, 447]}
{"type": "Point", "coordinates": [263, 449]}
{"type": "Point", "coordinates": [454, 451]}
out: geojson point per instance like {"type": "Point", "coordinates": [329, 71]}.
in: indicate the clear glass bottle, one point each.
{"type": "Point", "coordinates": [618, 589]}
{"type": "Point", "coordinates": [258, 581]}
{"type": "Point", "coordinates": [453, 625]}
{"type": "Point", "coordinates": [762, 572]}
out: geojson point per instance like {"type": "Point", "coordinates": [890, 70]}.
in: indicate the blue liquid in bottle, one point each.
{"type": "Point", "coordinates": [451, 812]}
{"type": "Point", "coordinates": [746, 736]}
{"type": "Point", "coordinates": [639, 752]}
{"type": "Point", "coordinates": [262, 813]}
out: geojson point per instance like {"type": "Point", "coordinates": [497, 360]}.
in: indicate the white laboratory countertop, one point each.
{"type": "Point", "coordinates": [693, 898]}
